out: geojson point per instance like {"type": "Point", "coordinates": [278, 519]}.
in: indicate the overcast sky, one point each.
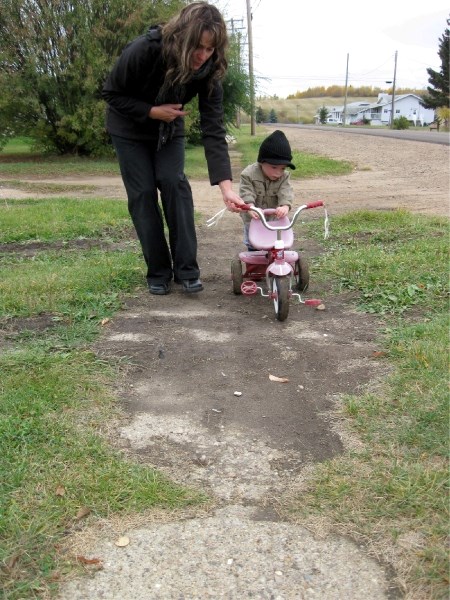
{"type": "Point", "coordinates": [298, 44]}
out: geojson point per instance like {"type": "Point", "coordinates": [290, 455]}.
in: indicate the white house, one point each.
{"type": "Point", "coordinates": [379, 112]}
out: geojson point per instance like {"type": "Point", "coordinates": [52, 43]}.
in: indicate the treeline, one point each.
{"type": "Point", "coordinates": [338, 91]}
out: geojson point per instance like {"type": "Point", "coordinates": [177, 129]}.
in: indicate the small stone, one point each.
{"type": "Point", "coordinates": [122, 541]}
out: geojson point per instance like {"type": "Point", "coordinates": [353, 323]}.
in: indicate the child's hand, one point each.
{"type": "Point", "coordinates": [282, 211]}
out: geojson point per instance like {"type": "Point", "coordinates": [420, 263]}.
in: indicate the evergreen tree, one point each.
{"type": "Point", "coordinates": [323, 114]}
{"type": "Point", "coordinates": [260, 115]}
{"type": "Point", "coordinates": [273, 116]}
{"type": "Point", "coordinates": [439, 88]}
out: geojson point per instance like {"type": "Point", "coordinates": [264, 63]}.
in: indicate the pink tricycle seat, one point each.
{"type": "Point", "coordinates": [264, 239]}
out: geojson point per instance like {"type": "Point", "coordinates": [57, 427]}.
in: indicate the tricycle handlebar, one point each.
{"type": "Point", "coordinates": [271, 211]}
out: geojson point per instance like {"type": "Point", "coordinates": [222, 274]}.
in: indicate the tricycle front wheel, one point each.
{"type": "Point", "coordinates": [280, 294]}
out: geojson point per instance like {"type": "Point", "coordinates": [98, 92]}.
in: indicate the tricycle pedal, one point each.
{"type": "Point", "coordinates": [249, 288]}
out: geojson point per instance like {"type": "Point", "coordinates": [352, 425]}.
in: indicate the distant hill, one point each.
{"type": "Point", "coordinates": [300, 110]}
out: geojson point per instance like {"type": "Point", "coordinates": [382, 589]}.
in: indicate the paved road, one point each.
{"type": "Point", "coordinates": [433, 137]}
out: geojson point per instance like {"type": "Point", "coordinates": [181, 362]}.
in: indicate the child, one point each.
{"type": "Point", "coordinates": [266, 183]}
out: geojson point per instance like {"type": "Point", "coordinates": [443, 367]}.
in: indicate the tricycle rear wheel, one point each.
{"type": "Point", "coordinates": [236, 274]}
{"type": "Point", "coordinates": [301, 274]}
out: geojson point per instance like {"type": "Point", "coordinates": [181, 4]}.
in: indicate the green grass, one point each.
{"type": "Point", "coordinates": [55, 396]}
{"type": "Point", "coordinates": [19, 145]}
{"type": "Point", "coordinates": [78, 284]}
{"type": "Point", "coordinates": [396, 487]}
{"type": "Point", "coordinates": [394, 260]}
{"type": "Point", "coordinates": [54, 166]}
{"type": "Point", "coordinates": [59, 219]}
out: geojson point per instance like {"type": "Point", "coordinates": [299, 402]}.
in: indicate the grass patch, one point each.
{"type": "Point", "coordinates": [55, 219]}
{"type": "Point", "coordinates": [56, 166]}
{"type": "Point", "coordinates": [393, 494]}
{"type": "Point", "coordinates": [18, 145]}
{"type": "Point", "coordinates": [79, 285]}
{"type": "Point", "coordinates": [394, 260]}
{"type": "Point", "coordinates": [195, 166]}
{"type": "Point", "coordinates": [55, 393]}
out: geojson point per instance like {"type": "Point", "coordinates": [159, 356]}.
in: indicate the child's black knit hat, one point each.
{"type": "Point", "coordinates": [276, 150]}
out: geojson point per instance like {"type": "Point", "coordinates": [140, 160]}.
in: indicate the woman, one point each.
{"type": "Point", "coordinates": [154, 77]}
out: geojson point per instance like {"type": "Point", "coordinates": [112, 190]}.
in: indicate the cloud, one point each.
{"type": "Point", "coordinates": [424, 30]}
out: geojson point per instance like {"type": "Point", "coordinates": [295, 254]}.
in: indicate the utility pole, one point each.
{"type": "Point", "coordinates": [250, 70]}
{"type": "Point", "coordinates": [393, 91]}
{"type": "Point", "coordinates": [344, 116]}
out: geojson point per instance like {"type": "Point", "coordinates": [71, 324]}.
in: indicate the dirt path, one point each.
{"type": "Point", "coordinates": [191, 354]}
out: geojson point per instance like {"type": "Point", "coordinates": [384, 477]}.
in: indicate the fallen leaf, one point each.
{"type": "Point", "coordinates": [279, 379]}
{"type": "Point", "coordinates": [11, 562]}
{"type": "Point", "coordinates": [60, 490]}
{"type": "Point", "coordinates": [104, 321]}
{"type": "Point", "coordinates": [82, 513]}
{"type": "Point", "coordinates": [88, 561]}
{"type": "Point", "coordinates": [320, 307]}
{"type": "Point", "coordinates": [378, 354]}
{"type": "Point", "coordinates": [123, 541]}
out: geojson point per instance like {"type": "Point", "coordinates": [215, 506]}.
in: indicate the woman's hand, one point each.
{"type": "Point", "coordinates": [231, 199]}
{"type": "Point", "coordinates": [167, 112]}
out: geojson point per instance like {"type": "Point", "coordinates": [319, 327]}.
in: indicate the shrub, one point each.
{"type": "Point", "coordinates": [401, 123]}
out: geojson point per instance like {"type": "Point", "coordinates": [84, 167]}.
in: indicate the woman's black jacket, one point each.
{"type": "Point", "coordinates": [131, 90]}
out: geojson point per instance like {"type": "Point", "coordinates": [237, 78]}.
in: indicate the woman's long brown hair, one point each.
{"type": "Point", "coordinates": [181, 37]}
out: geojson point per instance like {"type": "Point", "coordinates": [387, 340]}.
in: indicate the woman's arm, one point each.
{"type": "Point", "coordinates": [230, 198]}
{"type": "Point", "coordinates": [123, 88]}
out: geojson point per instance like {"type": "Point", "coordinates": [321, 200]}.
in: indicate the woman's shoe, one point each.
{"type": "Point", "coordinates": [159, 289]}
{"type": "Point", "coordinates": [191, 286]}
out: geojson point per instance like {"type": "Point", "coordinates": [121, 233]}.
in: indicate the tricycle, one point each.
{"type": "Point", "coordinates": [284, 271]}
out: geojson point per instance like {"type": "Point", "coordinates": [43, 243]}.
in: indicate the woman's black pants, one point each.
{"type": "Point", "coordinates": [145, 171]}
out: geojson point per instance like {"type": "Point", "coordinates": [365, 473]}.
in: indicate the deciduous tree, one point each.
{"type": "Point", "coordinates": [54, 58]}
